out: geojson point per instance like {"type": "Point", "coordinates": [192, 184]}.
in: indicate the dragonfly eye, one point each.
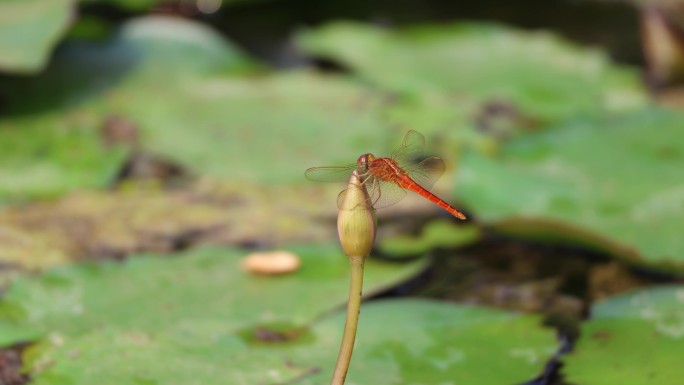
{"type": "Point", "coordinates": [363, 162]}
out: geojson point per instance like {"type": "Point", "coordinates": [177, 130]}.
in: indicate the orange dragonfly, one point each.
{"type": "Point", "coordinates": [387, 179]}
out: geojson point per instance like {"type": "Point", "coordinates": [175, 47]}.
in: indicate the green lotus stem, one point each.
{"type": "Point", "coordinates": [356, 225]}
{"type": "Point", "coordinates": [352, 321]}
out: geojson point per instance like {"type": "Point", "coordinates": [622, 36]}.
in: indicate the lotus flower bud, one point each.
{"type": "Point", "coordinates": [356, 220]}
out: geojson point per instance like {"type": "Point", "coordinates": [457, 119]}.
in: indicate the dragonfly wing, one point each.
{"type": "Point", "coordinates": [426, 172]}
{"type": "Point", "coordinates": [380, 193]}
{"type": "Point", "coordinates": [330, 174]}
{"type": "Point", "coordinates": [411, 149]}
{"type": "Point", "coordinates": [384, 193]}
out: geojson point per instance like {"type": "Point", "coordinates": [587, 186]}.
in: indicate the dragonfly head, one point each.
{"type": "Point", "coordinates": [365, 160]}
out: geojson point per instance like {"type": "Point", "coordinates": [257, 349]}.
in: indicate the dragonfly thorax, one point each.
{"type": "Point", "coordinates": [364, 161]}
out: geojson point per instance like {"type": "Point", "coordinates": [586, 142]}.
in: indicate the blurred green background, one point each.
{"type": "Point", "coordinates": [148, 146]}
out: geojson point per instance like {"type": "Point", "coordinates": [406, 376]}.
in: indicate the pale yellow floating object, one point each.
{"type": "Point", "coordinates": [271, 263]}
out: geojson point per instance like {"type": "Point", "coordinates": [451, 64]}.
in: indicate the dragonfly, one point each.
{"type": "Point", "coordinates": [388, 179]}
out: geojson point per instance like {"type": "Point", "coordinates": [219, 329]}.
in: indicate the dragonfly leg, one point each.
{"type": "Point", "coordinates": [365, 176]}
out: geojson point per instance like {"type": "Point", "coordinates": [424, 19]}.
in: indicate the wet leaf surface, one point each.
{"type": "Point", "coordinates": [148, 50]}
{"type": "Point", "coordinates": [634, 338]}
{"type": "Point", "coordinates": [199, 352]}
{"type": "Point", "coordinates": [49, 154]}
{"type": "Point", "coordinates": [53, 132]}
{"type": "Point", "coordinates": [440, 343]}
{"type": "Point", "coordinates": [611, 183]}
{"type": "Point", "coordinates": [263, 129]}
{"type": "Point", "coordinates": [424, 342]}
{"type": "Point", "coordinates": [539, 73]}
{"type": "Point", "coordinates": [29, 30]}
{"type": "Point", "coordinates": [436, 234]}
{"type": "Point", "coordinates": [154, 293]}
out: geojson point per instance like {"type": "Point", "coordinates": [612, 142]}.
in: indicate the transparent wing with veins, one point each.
{"type": "Point", "coordinates": [426, 172]}
{"type": "Point", "coordinates": [410, 156]}
{"type": "Point", "coordinates": [411, 149]}
{"type": "Point", "coordinates": [342, 174]}
{"type": "Point", "coordinates": [380, 193]}
{"type": "Point", "coordinates": [330, 173]}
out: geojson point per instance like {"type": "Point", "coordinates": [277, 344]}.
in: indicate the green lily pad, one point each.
{"type": "Point", "coordinates": [198, 114]}
{"type": "Point", "coordinates": [144, 52]}
{"type": "Point", "coordinates": [153, 293]}
{"type": "Point", "coordinates": [266, 129]}
{"type": "Point", "coordinates": [51, 135]}
{"type": "Point", "coordinates": [540, 74]}
{"type": "Point", "coordinates": [198, 353]}
{"type": "Point", "coordinates": [49, 154]}
{"type": "Point", "coordinates": [634, 338]}
{"type": "Point", "coordinates": [449, 122]}
{"type": "Point", "coordinates": [29, 30]}
{"type": "Point", "coordinates": [612, 183]}
{"type": "Point", "coordinates": [425, 342]}
{"type": "Point", "coordinates": [440, 343]}
{"type": "Point", "coordinates": [161, 45]}
{"type": "Point", "coordinates": [436, 234]}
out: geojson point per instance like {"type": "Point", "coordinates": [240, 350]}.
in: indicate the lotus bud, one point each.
{"type": "Point", "coordinates": [356, 220]}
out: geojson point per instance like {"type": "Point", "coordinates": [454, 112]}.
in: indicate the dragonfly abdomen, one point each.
{"type": "Point", "coordinates": [408, 183]}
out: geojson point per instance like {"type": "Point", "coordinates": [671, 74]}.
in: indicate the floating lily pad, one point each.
{"type": "Point", "coordinates": [634, 338]}
{"type": "Point", "coordinates": [29, 29]}
{"type": "Point", "coordinates": [266, 129]}
{"type": "Point", "coordinates": [436, 234]}
{"type": "Point", "coordinates": [440, 343]}
{"type": "Point", "coordinates": [199, 353]}
{"type": "Point", "coordinates": [158, 45]}
{"type": "Point", "coordinates": [540, 74]}
{"type": "Point", "coordinates": [613, 183]}
{"type": "Point", "coordinates": [259, 128]}
{"type": "Point", "coordinates": [153, 293]}
{"type": "Point", "coordinates": [449, 122]}
{"type": "Point", "coordinates": [51, 135]}
{"type": "Point", "coordinates": [425, 342]}
{"type": "Point", "coordinates": [144, 52]}
{"type": "Point", "coordinates": [49, 154]}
